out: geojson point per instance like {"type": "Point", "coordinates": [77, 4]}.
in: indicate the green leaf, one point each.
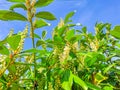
{"type": "Point", "coordinates": [58, 39]}
{"type": "Point", "coordinates": [37, 36]}
{"type": "Point", "coordinates": [116, 32]}
{"type": "Point", "coordinates": [45, 15]}
{"type": "Point", "coordinates": [68, 16]}
{"type": "Point", "coordinates": [18, 5]}
{"type": "Point", "coordinates": [75, 38]}
{"type": "Point", "coordinates": [108, 68]}
{"type": "Point", "coordinates": [32, 50]}
{"type": "Point", "coordinates": [67, 85]}
{"type": "Point", "coordinates": [44, 34]}
{"type": "Point", "coordinates": [93, 87]}
{"type": "Point", "coordinates": [3, 50]}
{"type": "Point", "coordinates": [107, 88]}
{"type": "Point", "coordinates": [16, 0]}
{"type": "Point", "coordinates": [84, 29]}
{"type": "Point", "coordinates": [40, 42]}
{"type": "Point", "coordinates": [69, 34]}
{"type": "Point", "coordinates": [65, 75]}
{"type": "Point", "coordinates": [80, 82]}
{"type": "Point", "coordinates": [12, 68]}
{"type": "Point", "coordinates": [40, 23]}
{"type": "Point", "coordinates": [14, 41]}
{"type": "Point", "coordinates": [42, 3]}
{"type": "Point", "coordinates": [99, 78]}
{"type": "Point", "coordinates": [10, 15]}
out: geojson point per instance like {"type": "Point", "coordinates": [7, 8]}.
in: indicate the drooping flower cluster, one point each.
{"type": "Point", "coordinates": [63, 56]}
{"type": "Point", "coordinates": [23, 36]}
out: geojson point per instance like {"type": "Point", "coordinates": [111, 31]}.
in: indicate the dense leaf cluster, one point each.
{"type": "Point", "coordinates": [70, 60]}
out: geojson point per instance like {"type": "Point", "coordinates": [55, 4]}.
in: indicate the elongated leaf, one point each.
{"type": "Point", "coordinates": [67, 85]}
{"type": "Point", "coordinates": [69, 34]}
{"type": "Point", "coordinates": [44, 34]}
{"type": "Point", "coordinates": [14, 41]}
{"type": "Point", "coordinates": [10, 15]}
{"type": "Point", "coordinates": [80, 82]}
{"type": "Point", "coordinates": [116, 32]}
{"type": "Point", "coordinates": [42, 3]}
{"type": "Point", "coordinates": [40, 42]}
{"type": "Point", "coordinates": [40, 23]}
{"type": "Point", "coordinates": [18, 5]}
{"type": "Point", "coordinates": [32, 50]}
{"type": "Point", "coordinates": [93, 87]}
{"type": "Point", "coordinates": [107, 88]}
{"type": "Point", "coordinates": [108, 68]}
{"type": "Point", "coordinates": [16, 0]}
{"type": "Point", "coordinates": [68, 16]}
{"type": "Point", "coordinates": [3, 50]}
{"type": "Point", "coordinates": [37, 36]}
{"type": "Point", "coordinates": [45, 15]}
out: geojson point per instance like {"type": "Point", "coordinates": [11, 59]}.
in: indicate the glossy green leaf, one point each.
{"type": "Point", "coordinates": [68, 16]}
{"type": "Point", "coordinates": [40, 42]}
{"type": "Point", "coordinates": [75, 38]}
{"type": "Point", "coordinates": [16, 0]}
{"type": "Point", "coordinates": [67, 85]}
{"type": "Point", "coordinates": [10, 15]}
{"type": "Point", "coordinates": [37, 36]}
{"type": "Point", "coordinates": [3, 50]}
{"type": "Point", "coordinates": [45, 15]}
{"type": "Point", "coordinates": [12, 68]}
{"type": "Point", "coordinates": [93, 87]}
{"type": "Point", "coordinates": [44, 33]}
{"type": "Point", "coordinates": [42, 3]}
{"type": "Point", "coordinates": [84, 29]}
{"type": "Point", "coordinates": [108, 68]}
{"type": "Point", "coordinates": [18, 5]}
{"type": "Point", "coordinates": [40, 23]}
{"type": "Point", "coordinates": [80, 82]}
{"type": "Point", "coordinates": [32, 50]}
{"type": "Point", "coordinates": [116, 32]}
{"type": "Point", "coordinates": [14, 41]}
{"type": "Point", "coordinates": [65, 75]}
{"type": "Point", "coordinates": [69, 34]}
{"type": "Point", "coordinates": [107, 88]}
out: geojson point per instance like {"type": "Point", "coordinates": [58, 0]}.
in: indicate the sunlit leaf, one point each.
{"type": "Point", "coordinates": [67, 85]}
{"type": "Point", "coordinates": [107, 88]}
{"type": "Point", "coordinates": [16, 0]}
{"type": "Point", "coordinates": [93, 87]}
{"type": "Point", "coordinates": [37, 36]}
{"type": "Point", "coordinates": [10, 15]}
{"type": "Point", "coordinates": [68, 16]}
{"type": "Point", "coordinates": [4, 50]}
{"type": "Point", "coordinates": [116, 32]}
{"type": "Point", "coordinates": [14, 41]}
{"type": "Point", "coordinates": [80, 82]}
{"type": "Point", "coordinates": [42, 3]}
{"type": "Point", "coordinates": [69, 34]}
{"type": "Point", "coordinates": [45, 15]}
{"type": "Point", "coordinates": [44, 34]}
{"type": "Point", "coordinates": [18, 5]}
{"type": "Point", "coordinates": [40, 42]}
{"type": "Point", "coordinates": [40, 23]}
{"type": "Point", "coordinates": [108, 68]}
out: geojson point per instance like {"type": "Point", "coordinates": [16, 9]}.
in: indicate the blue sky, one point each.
{"type": "Point", "coordinates": [88, 13]}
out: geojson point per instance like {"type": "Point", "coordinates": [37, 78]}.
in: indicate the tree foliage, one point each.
{"type": "Point", "coordinates": [70, 60]}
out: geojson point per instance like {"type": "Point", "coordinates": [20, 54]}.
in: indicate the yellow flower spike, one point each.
{"type": "Point", "coordinates": [33, 3]}
{"type": "Point", "coordinates": [61, 24]}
